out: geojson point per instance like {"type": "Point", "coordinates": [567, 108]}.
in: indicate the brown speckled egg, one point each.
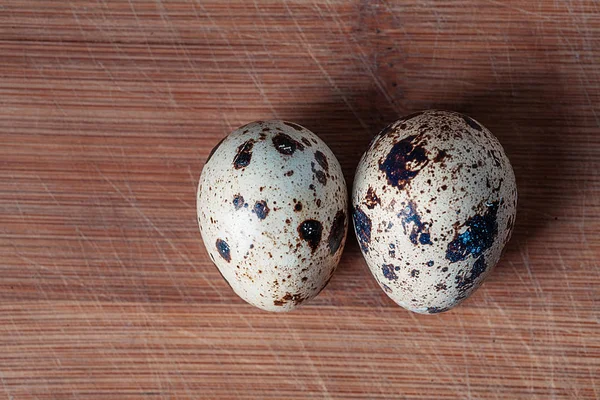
{"type": "Point", "coordinates": [434, 203]}
{"type": "Point", "coordinates": [272, 205]}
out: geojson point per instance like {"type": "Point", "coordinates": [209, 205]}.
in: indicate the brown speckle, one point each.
{"type": "Point", "coordinates": [371, 199]}
{"type": "Point", "coordinates": [295, 298]}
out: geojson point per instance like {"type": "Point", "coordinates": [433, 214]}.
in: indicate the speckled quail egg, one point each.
{"type": "Point", "coordinates": [434, 203]}
{"type": "Point", "coordinates": [272, 205]}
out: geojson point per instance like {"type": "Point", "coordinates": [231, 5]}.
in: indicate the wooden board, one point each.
{"type": "Point", "coordinates": [108, 110]}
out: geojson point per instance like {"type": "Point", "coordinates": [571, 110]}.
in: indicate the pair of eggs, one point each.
{"type": "Point", "coordinates": [433, 205]}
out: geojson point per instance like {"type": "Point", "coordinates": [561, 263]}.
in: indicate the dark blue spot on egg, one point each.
{"type": "Point", "coordinates": [388, 272]}
{"type": "Point", "coordinates": [479, 236]}
{"type": "Point", "coordinates": [419, 231]}
{"type": "Point", "coordinates": [362, 226]}
{"type": "Point", "coordinates": [404, 161]}
{"type": "Point", "coordinates": [260, 209]}
{"type": "Point", "coordinates": [238, 201]}
{"type": "Point", "coordinates": [466, 282]}
{"type": "Point", "coordinates": [223, 249]}
{"type": "Point", "coordinates": [424, 238]}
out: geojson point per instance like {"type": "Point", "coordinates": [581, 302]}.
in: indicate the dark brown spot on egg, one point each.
{"type": "Point", "coordinates": [306, 142]}
{"type": "Point", "coordinates": [244, 154]}
{"type": "Point", "coordinates": [289, 173]}
{"type": "Point", "coordinates": [320, 175]}
{"type": "Point", "coordinates": [471, 122]}
{"type": "Point", "coordinates": [293, 125]}
{"type": "Point", "coordinates": [337, 232]}
{"type": "Point", "coordinates": [436, 310]}
{"type": "Point", "coordinates": [286, 145]}
{"type": "Point", "coordinates": [298, 206]}
{"type": "Point", "coordinates": [371, 199]}
{"type": "Point", "coordinates": [295, 298]}
{"type": "Point", "coordinates": [441, 156]}
{"type": "Point", "coordinates": [311, 231]}
{"type": "Point", "coordinates": [492, 154]}
{"type": "Point", "coordinates": [322, 160]}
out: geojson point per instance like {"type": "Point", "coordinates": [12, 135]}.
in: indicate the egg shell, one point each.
{"type": "Point", "coordinates": [272, 210]}
{"type": "Point", "coordinates": [434, 203]}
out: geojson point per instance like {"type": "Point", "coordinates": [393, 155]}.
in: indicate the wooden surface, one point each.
{"type": "Point", "coordinates": [108, 110]}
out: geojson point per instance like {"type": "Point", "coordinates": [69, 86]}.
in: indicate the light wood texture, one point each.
{"type": "Point", "coordinates": [108, 110]}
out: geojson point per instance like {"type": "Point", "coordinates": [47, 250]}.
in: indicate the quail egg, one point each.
{"type": "Point", "coordinates": [434, 203]}
{"type": "Point", "coordinates": [272, 211]}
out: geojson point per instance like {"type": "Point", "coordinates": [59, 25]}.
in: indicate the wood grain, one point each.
{"type": "Point", "coordinates": [108, 109]}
